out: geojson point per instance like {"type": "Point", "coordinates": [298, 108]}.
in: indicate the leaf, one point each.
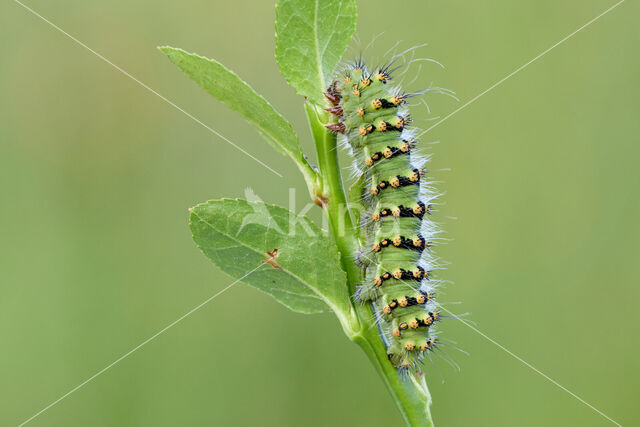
{"type": "Point", "coordinates": [311, 36]}
{"type": "Point", "coordinates": [305, 275]}
{"type": "Point", "coordinates": [225, 85]}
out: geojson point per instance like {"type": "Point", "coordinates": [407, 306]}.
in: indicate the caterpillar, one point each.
{"type": "Point", "coordinates": [372, 116]}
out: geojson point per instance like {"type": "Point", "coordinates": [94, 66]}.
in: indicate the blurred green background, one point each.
{"type": "Point", "coordinates": [96, 175]}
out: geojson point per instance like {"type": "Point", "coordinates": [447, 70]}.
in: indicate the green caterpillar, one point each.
{"type": "Point", "coordinates": [372, 115]}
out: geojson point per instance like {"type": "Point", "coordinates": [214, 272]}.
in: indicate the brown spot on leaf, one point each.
{"type": "Point", "coordinates": [271, 258]}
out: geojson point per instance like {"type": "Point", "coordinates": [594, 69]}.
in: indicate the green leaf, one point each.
{"type": "Point", "coordinates": [311, 36]}
{"type": "Point", "coordinates": [225, 85]}
{"type": "Point", "coordinates": [236, 235]}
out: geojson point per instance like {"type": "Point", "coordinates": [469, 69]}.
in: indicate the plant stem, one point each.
{"type": "Point", "coordinates": [334, 201]}
{"type": "Point", "coordinates": [409, 392]}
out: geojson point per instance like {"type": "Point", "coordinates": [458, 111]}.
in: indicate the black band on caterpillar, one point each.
{"type": "Point", "coordinates": [384, 126]}
{"type": "Point", "coordinates": [366, 130]}
{"type": "Point", "coordinates": [417, 243]}
{"type": "Point", "coordinates": [389, 152]}
{"type": "Point", "coordinates": [394, 101]}
{"type": "Point", "coordinates": [399, 181]}
{"type": "Point", "coordinates": [423, 298]}
{"type": "Point", "coordinates": [425, 322]}
{"type": "Point", "coordinates": [418, 274]}
{"type": "Point", "coordinates": [417, 211]}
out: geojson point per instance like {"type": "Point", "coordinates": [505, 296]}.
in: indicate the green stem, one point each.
{"type": "Point", "coordinates": [332, 196]}
{"type": "Point", "coordinates": [409, 392]}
